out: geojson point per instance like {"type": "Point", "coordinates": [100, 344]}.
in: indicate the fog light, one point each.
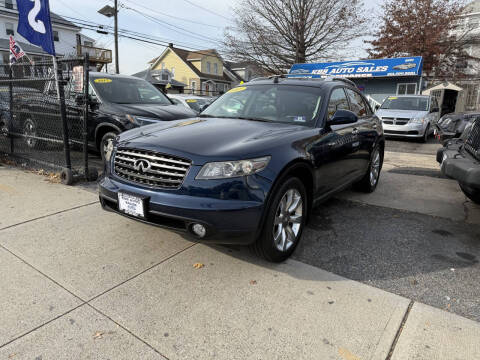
{"type": "Point", "coordinates": [199, 230]}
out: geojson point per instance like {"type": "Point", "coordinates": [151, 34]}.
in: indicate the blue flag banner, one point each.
{"type": "Point", "coordinates": [411, 66]}
{"type": "Point", "coordinates": [34, 23]}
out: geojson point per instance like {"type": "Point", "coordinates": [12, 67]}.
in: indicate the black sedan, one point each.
{"type": "Point", "coordinates": [249, 169]}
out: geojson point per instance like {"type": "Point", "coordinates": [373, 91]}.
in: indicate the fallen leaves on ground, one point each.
{"type": "Point", "coordinates": [11, 356]}
{"type": "Point", "coordinates": [253, 282]}
{"type": "Point", "coordinates": [198, 265]}
{"type": "Point", "coordinates": [98, 335]}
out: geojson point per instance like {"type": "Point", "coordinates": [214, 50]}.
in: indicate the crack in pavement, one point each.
{"type": "Point", "coordinates": [399, 331]}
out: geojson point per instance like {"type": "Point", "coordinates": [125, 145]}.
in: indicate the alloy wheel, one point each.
{"type": "Point", "coordinates": [288, 220]}
{"type": "Point", "coordinates": [375, 168]}
{"type": "Point", "coordinates": [30, 132]}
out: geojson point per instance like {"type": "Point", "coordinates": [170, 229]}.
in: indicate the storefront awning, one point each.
{"type": "Point", "coordinates": [395, 67]}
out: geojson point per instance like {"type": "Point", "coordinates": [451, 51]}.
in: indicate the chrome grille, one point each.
{"type": "Point", "coordinates": [395, 121]}
{"type": "Point", "coordinates": [150, 168]}
{"type": "Point", "coordinates": [472, 144]}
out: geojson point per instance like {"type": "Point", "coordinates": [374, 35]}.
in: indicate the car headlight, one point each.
{"type": "Point", "coordinates": [140, 120]}
{"type": "Point", "coordinates": [417, 120]}
{"type": "Point", "coordinates": [231, 169]}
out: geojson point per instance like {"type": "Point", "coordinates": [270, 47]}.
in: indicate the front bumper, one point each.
{"type": "Point", "coordinates": [227, 221]}
{"type": "Point", "coordinates": [408, 130]}
{"type": "Point", "coordinates": [457, 164]}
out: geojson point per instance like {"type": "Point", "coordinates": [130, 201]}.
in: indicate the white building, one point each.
{"type": "Point", "coordinates": [64, 33]}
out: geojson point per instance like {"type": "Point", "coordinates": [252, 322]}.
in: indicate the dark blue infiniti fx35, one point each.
{"type": "Point", "coordinates": [250, 167]}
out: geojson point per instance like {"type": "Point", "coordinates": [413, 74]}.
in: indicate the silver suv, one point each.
{"type": "Point", "coordinates": [409, 116]}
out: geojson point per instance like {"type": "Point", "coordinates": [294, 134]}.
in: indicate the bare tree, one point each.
{"type": "Point", "coordinates": [428, 28]}
{"type": "Point", "coordinates": [278, 33]}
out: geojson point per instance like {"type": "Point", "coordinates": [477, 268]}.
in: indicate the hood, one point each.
{"type": "Point", "coordinates": [161, 112]}
{"type": "Point", "coordinates": [212, 139]}
{"type": "Point", "coordinates": [400, 113]}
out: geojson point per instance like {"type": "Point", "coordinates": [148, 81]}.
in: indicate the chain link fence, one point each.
{"type": "Point", "coordinates": [43, 124]}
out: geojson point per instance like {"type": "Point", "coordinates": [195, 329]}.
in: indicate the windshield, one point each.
{"type": "Point", "coordinates": [129, 91]}
{"type": "Point", "coordinates": [197, 104]}
{"type": "Point", "coordinates": [406, 103]}
{"type": "Point", "coordinates": [279, 103]}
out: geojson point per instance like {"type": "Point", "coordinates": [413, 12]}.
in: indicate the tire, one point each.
{"type": "Point", "coordinates": [29, 131]}
{"type": "Point", "coordinates": [66, 177]}
{"type": "Point", "coordinates": [278, 225]}
{"type": "Point", "coordinates": [369, 182]}
{"type": "Point", "coordinates": [426, 135]}
{"type": "Point", "coordinates": [472, 194]}
{"type": "Point", "coordinates": [104, 142]}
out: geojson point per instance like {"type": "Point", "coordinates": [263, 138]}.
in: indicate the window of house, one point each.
{"type": "Point", "coordinates": [225, 88]}
{"type": "Point", "coordinates": [338, 101]}
{"type": "Point", "coordinates": [173, 72]}
{"type": "Point", "coordinates": [9, 29]}
{"type": "Point", "coordinates": [407, 89]}
{"type": "Point", "coordinates": [193, 86]}
{"type": "Point", "coordinates": [55, 36]}
{"type": "Point", "coordinates": [215, 68]}
{"type": "Point", "coordinates": [163, 65]}
{"type": "Point", "coordinates": [209, 67]}
{"type": "Point", "coordinates": [88, 43]}
{"type": "Point", "coordinates": [9, 4]}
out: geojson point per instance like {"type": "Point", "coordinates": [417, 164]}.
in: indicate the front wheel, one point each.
{"type": "Point", "coordinates": [106, 143]}
{"type": "Point", "coordinates": [284, 223]}
{"type": "Point", "coordinates": [472, 194]}
{"type": "Point", "coordinates": [30, 133]}
{"type": "Point", "coordinates": [426, 135]}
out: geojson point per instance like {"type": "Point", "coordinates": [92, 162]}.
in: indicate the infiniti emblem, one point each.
{"type": "Point", "coordinates": [142, 165]}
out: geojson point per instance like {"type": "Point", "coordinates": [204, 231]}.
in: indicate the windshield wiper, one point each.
{"type": "Point", "coordinates": [207, 116]}
{"type": "Point", "coordinates": [252, 118]}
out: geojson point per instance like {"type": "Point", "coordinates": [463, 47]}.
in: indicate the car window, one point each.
{"type": "Point", "coordinates": [357, 105]}
{"type": "Point", "coordinates": [279, 103]}
{"type": "Point", "coordinates": [176, 101]}
{"type": "Point", "coordinates": [338, 101]}
{"type": "Point", "coordinates": [406, 103]}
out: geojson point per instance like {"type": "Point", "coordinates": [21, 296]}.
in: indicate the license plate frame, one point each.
{"type": "Point", "coordinates": [132, 204]}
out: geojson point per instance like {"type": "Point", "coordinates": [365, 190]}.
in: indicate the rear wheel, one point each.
{"type": "Point", "coordinates": [30, 133]}
{"type": "Point", "coordinates": [472, 194]}
{"type": "Point", "coordinates": [370, 181]}
{"type": "Point", "coordinates": [284, 223]}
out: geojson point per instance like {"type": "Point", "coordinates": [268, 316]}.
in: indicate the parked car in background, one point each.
{"type": "Point", "coordinates": [409, 116]}
{"type": "Point", "coordinates": [453, 125]}
{"type": "Point", "coordinates": [460, 160]}
{"type": "Point", "coordinates": [196, 103]}
{"type": "Point", "coordinates": [249, 169]}
{"type": "Point", "coordinates": [116, 103]}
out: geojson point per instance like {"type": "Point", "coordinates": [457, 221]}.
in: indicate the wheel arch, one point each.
{"type": "Point", "coordinates": [102, 129]}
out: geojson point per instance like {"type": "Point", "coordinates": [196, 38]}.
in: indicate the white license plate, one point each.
{"type": "Point", "coordinates": [131, 205]}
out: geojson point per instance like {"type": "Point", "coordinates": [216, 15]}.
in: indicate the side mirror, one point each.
{"type": "Point", "coordinates": [94, 103]}
{"type": "Point", "coordinates": [204, 107]}
{"type": "Point", "coordinates": [377, 107]}
{"type": "Point", "coordinates": [343, 117]}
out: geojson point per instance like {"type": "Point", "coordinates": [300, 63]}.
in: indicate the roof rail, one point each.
{"type": "Point", "coordinates": [345, 80]}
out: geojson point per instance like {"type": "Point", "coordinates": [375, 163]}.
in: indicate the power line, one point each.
{"type": "Point", "coordinates": [205, 9]}
{"type": "Point", "coordinates": [172, 16]}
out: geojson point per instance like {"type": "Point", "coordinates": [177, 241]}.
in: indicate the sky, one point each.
{"type": "Point", "coordinates": [198, 24]}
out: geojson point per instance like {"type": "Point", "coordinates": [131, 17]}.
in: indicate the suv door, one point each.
{"type": "Point", "coordinates": [335, 153]}
{"type": "Point", "coordinates": [365, 130]}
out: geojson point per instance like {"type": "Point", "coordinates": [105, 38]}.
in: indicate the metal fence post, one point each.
{"type": "Point", "coordinates": [63, 114]}
{"type": "Point", "coordinates": [86, 72]}
{"type": "Point", "coordinates": [10, 120]}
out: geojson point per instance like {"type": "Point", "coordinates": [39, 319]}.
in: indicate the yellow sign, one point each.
{"type": "Point", "coordinates": [103, 81]}
{"type": "Point", "coordinates": [392, 98]}
{"type": "Point", "coordinates": [238, 89]}
{"type": "Point", "coordinates": [191, 100]}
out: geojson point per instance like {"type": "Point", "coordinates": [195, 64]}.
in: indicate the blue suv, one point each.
{"type": "Point", "coordinates": [248, 169]}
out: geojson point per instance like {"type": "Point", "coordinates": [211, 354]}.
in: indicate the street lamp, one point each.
{"type": "Point", "coordinates": [109, 11]}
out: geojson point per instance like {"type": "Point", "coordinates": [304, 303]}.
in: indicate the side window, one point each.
{"type": "Point", "coordinates": [357, 105]}
{"type": "Point", "coordinates": [338, 101]}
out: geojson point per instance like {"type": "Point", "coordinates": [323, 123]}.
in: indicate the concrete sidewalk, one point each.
{"type": "Point", "coordinates": [80, 283]}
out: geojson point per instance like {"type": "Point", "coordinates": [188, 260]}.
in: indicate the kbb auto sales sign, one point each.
{"type": "Point", "coordinates": [34, 23]}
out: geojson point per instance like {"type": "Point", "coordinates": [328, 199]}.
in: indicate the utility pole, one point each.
{"type": "Point", "coordinates": [117, 65]}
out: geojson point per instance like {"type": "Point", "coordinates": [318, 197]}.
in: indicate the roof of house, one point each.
{"type": "Point", "coordinates": [187, 56]}
{"type": "Point", "coordinates": [149, 75]}
{"type": "Point", "coordinates": [27, 48]}
{"type": "Point", "coordinates": [56, 19]}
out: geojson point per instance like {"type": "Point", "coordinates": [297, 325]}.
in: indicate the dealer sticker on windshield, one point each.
{"type": "Point", "coordinates": [102, 81]}
{"type": "Point", "coordinates": [191, 101]}
{"type": "Point", "coordinates": [237, 89]}
{"type": "Point", "coordinates": [300, 119]}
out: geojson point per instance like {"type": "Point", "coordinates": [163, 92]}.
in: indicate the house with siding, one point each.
{"type": "Point", "coordinates": [203, 71]}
